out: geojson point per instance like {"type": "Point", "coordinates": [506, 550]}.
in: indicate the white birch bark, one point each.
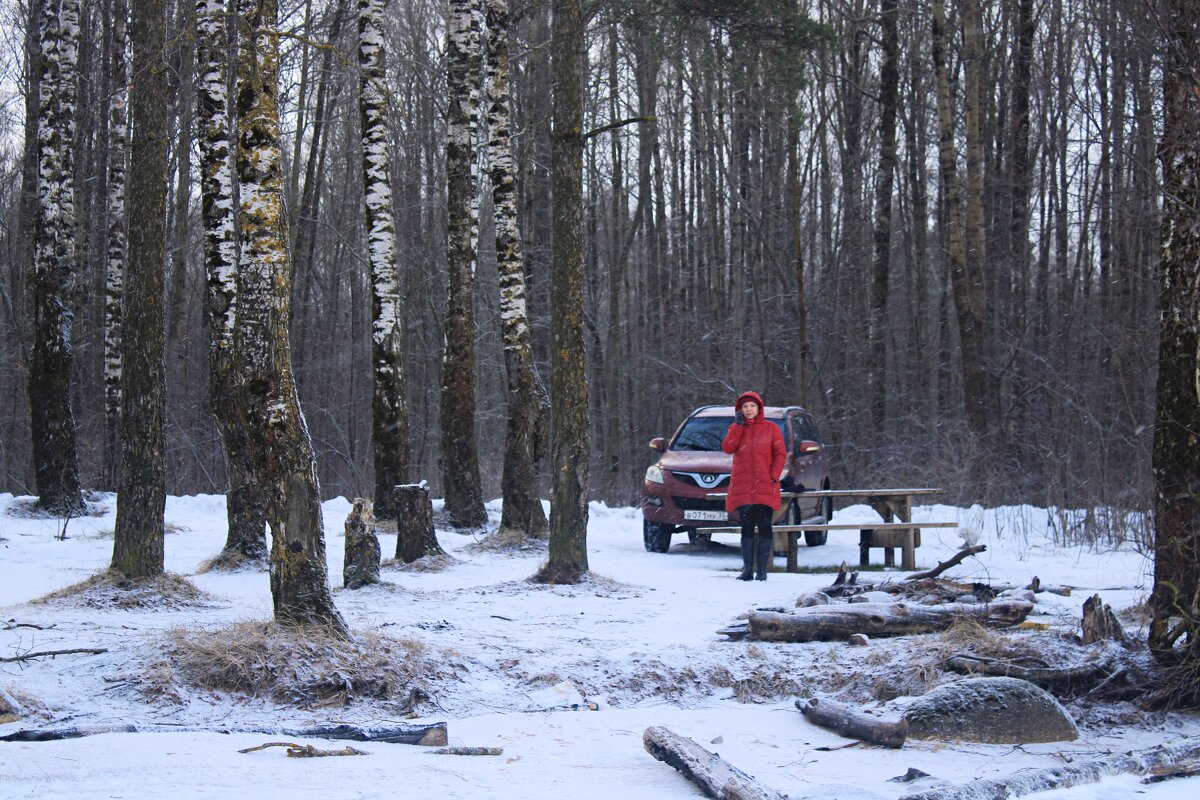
{"type": "Point", "coordinates": [280, 448]}
{"type": "Point", "coordinates": [528, 406]}
{"type": "Point", "coordinates": [460, 452]}
{"type": "Point", "coordinates": [52, 419]}
{"type": "Point", "coordinates": [114, 267]}
{"type": "Point", "coordinates": [389, 416]}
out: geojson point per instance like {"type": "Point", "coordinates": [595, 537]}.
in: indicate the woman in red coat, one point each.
{"type": "Point", "coordinates": [758, 459]}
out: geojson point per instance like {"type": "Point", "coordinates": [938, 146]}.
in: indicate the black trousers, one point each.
{"type": "Point", "coordinates": [756, 516]}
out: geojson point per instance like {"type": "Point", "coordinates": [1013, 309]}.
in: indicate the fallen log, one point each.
{"type": "Point", "coordinates": [1079, 678]}
{"type": "Point", "coordinates": [853, 724]}
{"type": "Point", "coordinates": [835, 623]}
{"type": "Point", "coordinates": [94, 651]}
{"type": "Point", "coordinates": [715, 776]}
{"type": "Point", "coordinates": [432, 734]}
{"type": "Point", "coordinates": [953, 561]}
{"type": "Point", "coordinates": [1066, 775]}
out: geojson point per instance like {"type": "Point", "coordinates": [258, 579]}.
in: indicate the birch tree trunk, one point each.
{"type": "Point", "coordinates": [460, 450]}
{"type": "Point", "coordinates": [389, 414]}
{"type": "Point", "coordinates": [570, 448]}
{"type": "Point", "coordinates": [114, 268]}
{"type": "Point", "coordinates": [1175, 601]}
{"type": "Point", "coordinates": [528, 406]}
{"type": "Point", "coordinates": [51, 416]}
{"type": "Point", "coordinates": [268, 408]}
{"type": "Point", "coordinates": [244, 512]}
{"type": "Point", "coordinates": [141, 492]}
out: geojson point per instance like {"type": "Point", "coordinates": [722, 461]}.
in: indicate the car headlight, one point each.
{"type": "Point", "coordinates": [654, 474]}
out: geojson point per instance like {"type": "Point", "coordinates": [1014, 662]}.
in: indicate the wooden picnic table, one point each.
{"type": "Point", "coordinates": [891, 504]}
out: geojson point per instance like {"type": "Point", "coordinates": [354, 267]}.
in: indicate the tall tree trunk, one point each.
{"type": "Point", "coordinates": [141, 493]}
{"type": "Point", "coordinates": [389, 414]}
{"type": "Point", "coordinates": [877, 332]}
{"type": "Point", "coordinates": [569, 446]}
{"type": "Point", "coordinates": [183, 193]}
{"type": "Point", "coordinates": [528, 406]}
{"type": "Point", "coordinates": [53, 420]}
{"type": "Point", "coordinates": [246, 517]}
{"type": "Point", "coordinates": [268, 407]}
{"type": "Point", "coordinates": [970, 331]}
{"type": "Point", "coordinates": [114, 268]}
{"type": "Point", "coordinates": [460, 448]}
{"type": "Point", "coordinates": [1175, 601]}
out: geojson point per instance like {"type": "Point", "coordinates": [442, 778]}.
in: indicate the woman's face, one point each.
{"type": "Point", "coordinates": [749, 409]}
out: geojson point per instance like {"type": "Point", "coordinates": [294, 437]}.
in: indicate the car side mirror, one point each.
{"type": "Point", "coordinates": [658, 443]}
{"type": "Point", "coordinates": [808, 447]}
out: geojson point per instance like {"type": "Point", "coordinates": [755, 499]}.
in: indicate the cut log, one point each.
{"type": "Point", "coordinates": [953, 561]}
{"type": "Point", "coordinates": [853, 724]}
{"type": "Point", "coordinates": [835, 623]}
{"type": "Point", "coordinates": [360, 567]}
{"type": "Point", "coordinates": [433, 734]}
{"type": "Point", "coordinates": [1061, 777]}
{"type": "Point", "coordinates": [1059, 680]}
{"type": "Point", "coordinates": [1099, 622]}
{"type": "Point", "coordinates": [415, 537]}
{"type": "Point", "coordinates": [715, 776]}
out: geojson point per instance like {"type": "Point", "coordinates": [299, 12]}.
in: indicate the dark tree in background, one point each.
{"type": "Point", "coordinates": [569, 445]}
{"type": "Point", "coordinates": [1175, 602]}
{"type": "Point", "coordinates": [54, 269]}
{"type": "Point", "coordinates": [141, 487]}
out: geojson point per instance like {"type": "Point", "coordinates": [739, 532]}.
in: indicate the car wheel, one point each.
{"type": "Point", "coordinates": [702, 539]}
{"type": "Point", "coordinates": [818, 538]}
{"type": "Point", "coordinates": [654, 537]}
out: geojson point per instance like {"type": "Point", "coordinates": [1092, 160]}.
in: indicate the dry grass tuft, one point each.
{"type": "Point", "coordinates": [112, 590]}
{"type": "Point", "coordinates": [763, 687]}
{"type": "Point", "coordinates": [299, 666]}
{"type": "Point", "coordinates": [436, 563]}
{"type": "Point", "coordinates": [231, 561]}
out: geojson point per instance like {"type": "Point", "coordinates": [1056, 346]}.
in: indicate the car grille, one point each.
{"type": "Point", "coordinates": [704, 480]}
{"type": "Point", "coordinates": [698, 504]}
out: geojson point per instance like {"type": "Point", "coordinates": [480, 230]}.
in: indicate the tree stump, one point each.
{"type": "Point", "coordinates": [361, 565]}
{"type": "Point", "coordinates": [415, 537]}
{"type": "Point", "coordinates": [1099, 622]}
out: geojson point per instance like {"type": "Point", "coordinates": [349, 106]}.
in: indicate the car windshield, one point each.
{"type": "Point", "coordinates": [707, 433]}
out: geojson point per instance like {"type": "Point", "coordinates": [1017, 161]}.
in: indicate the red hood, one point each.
{"type": "Point", "coordinates": [744, 396]}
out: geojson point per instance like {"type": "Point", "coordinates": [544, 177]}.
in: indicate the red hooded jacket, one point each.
{"type": "Point", "coordinates": [758, 459]}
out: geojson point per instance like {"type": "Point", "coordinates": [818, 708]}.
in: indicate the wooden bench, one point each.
{"type": "Point", "coordinates": [891, 504]}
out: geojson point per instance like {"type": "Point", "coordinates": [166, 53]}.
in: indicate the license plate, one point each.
{"type": "Point", "coordinates": [708, 516]}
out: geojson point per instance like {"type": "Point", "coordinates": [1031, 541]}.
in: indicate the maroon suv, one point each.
{"type": "Point", "coordinates": [674, 493]}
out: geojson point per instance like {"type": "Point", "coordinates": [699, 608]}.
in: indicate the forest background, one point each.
{"type": "Point", "coordinates": [958, 276]}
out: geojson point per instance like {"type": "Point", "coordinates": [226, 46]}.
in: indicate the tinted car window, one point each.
{"type": "Point", "coordinates": [806, 428]}
{"type": "Point", "coordinates": [707, 433]}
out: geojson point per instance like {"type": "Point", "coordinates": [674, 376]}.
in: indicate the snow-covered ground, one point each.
{"type": "Point", "coordinates": [564, 679]}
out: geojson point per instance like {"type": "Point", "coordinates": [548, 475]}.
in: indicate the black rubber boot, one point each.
{"type": "Point", "coordinates": [765, 545]}
{"type": "Point", "coordinates": [747, 558]}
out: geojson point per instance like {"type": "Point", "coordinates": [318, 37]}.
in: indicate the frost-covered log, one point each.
{"type": "Point", "coordinates": [433, 734]}
{"type": "Point", "coordinates": [1080, 677]}
{"type": "Point", "coordinates": [1061, 777]}
{"type": "Point", "coordinates": [52, 420]}
{"type": "Point", "coordinates": [246, 534]}
{"type": "Point", "coordinates": [835, 623]}
{"type": "Point", "coordinates": [853, 723]}
{"type": "Point", "coordinates": [528, 405]}
{"type": "Point", "coordinates": [715, 776]}
{"type": "Point", "coordinates": [389, 414]}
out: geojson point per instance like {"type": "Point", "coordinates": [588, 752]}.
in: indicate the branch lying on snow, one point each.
{"type": "Point", "coordinates": [953, 561]}
{"type": "Point", "coordinates": [1080, 677]}
{"type": "Point", "coordinates": [467, 751]}
{"type": "Point", "coordinates": [431, 735]}
{"type": "Point", "coordinates": [95, 651]}
{"type": "Point", "coordinates": [836, 623]}
{"type": "Point", "coordinates": [715, 776]}
{"type": "Point", "coordinates": [306, 750]}
{"type": "Point", "coordinates": [852, 723]}
{"type": "Point", "coordinates": [1067, 775]}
